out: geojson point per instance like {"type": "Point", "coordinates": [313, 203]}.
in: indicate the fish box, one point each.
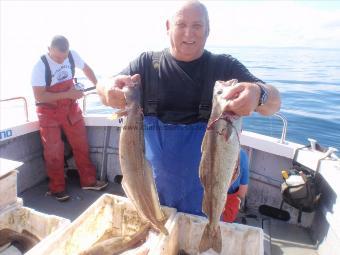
{"type": "Point", "coordinates": [111, 214]}
{"type": "Point", "coordinates": [8, 182]}
{"type": "Point", "coordinates": [40, 225]}
{"type": "Point", "coordinates": [186, 231]}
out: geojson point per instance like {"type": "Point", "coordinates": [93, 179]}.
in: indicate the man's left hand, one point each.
{"type": "Point", "coordinates": [243, 98]}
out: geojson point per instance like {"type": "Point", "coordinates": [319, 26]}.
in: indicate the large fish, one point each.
{"type": "Point", "coordinates": [220, 152]}
{"type": "Point", "coordinates": [138, 182]}
{"type": "Point", "coordinates": [117, 245]}
{"type": "Point", "coordinates": [23, 241]}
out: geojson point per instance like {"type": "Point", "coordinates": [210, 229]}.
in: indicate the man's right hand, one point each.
{"type": "Point", "coordinates": [75, 94]}
{"type": "Point", "coordinates": [111, 90]}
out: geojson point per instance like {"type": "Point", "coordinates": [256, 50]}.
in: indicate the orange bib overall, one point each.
{"type": "Point", "coordinates": [64, 114]}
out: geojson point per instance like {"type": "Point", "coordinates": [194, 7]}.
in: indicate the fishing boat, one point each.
{"type": "Point", "coordinates": [286, 229]}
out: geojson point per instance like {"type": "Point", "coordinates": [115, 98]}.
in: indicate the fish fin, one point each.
{"type": "Point", "coordinates": [217, 240]}
{"type": "Point", "coordinates": [205, 243]}
{"type": "Point", "coordinates": [211, 239]}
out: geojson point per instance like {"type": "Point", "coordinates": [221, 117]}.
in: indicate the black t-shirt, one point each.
{"type": "Point", "coordinates": [181, 83]}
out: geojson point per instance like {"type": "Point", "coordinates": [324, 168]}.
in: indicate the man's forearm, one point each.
{"type": "Point", "coordinates": [90, 74]}
{"type": "Point", "coordinates": [48, 97]}
{"type": "Point", "coordinates": [43, 96]}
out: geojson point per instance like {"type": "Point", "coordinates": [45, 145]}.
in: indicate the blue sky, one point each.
{"type": "Point", "coordinates": [108, 34]}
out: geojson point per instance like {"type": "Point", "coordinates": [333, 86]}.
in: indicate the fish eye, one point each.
{"type": "Point", "coordinates": [219, 92]}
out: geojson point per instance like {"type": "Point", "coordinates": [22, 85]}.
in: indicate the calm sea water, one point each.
{"type": "Point", "coordinates": [309, 82]}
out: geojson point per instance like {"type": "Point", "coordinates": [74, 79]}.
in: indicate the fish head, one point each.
{"type": "Point", "coordinates": [132, 92]}
{"type": "Point", "coordinates": [226, 126]}
{"type": "Point", "coordinates": [221, 89]}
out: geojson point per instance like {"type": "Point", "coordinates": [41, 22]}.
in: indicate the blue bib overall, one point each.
{"type": "Point", "coordinates": [174, 152]}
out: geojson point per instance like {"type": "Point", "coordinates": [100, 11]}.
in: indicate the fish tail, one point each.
{"type": "Point", "coordinates": [211, 239]}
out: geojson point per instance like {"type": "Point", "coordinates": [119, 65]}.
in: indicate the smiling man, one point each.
{"type": "Point", "coordinates": [188, 30]}
{"type": "Point", "coordinates": [177, 86]}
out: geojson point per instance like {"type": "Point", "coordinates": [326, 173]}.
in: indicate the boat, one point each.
{"type": "Point", "coordinates": [316, 232]}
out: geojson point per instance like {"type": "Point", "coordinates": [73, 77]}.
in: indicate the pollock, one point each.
{"type": "Point", "coordinates": [220, 152]}
{"type": "Point", "coordinates": [138, 182]}
{"type": "Point", "coordinates": [117, 245]}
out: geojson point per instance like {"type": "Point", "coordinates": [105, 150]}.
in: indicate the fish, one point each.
{"type": "Point", "coordinates": [138, 182]}
{"type": "Point", "coordinates": [117, 245]}
{"type": "Point", "coordinates": [182, 252]}
{"type": "Point", "coordinates": [220, 152]}
{"type": "Point", "coordinates": [23, 241]}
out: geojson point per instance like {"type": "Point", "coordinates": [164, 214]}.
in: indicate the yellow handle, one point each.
{"type": "Point", "coordinates": [284, 174]}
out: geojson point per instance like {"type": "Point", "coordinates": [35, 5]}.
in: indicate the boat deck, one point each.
{"type": "Point", "coordinates": [80, 200]}
{"type": "Point", "coordinates": [280, 237]}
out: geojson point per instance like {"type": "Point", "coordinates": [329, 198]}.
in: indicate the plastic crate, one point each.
{"type": "Point", "coordinates": [109, 213]}
{"type": "Point", "coordinates": [186, 231]}
{"type": "Point", "coordinates": [43, 226]}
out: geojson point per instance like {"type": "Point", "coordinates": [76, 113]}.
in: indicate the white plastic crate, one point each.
{"type": "Point", "coordinates": [41, 225]}
{"type": "Point", "coordinates": [8, 182]}
{"type": "Point", "coordinates": [109, 213]}
{"type": "Point", "coordinates": [186, 231]}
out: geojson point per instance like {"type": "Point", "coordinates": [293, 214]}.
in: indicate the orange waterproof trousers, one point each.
{"type": "Point", "coordinates": [64, 115]}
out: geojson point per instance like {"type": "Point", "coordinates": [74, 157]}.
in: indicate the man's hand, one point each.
{"type": "Point", "coordinates": [244, 99]}
{"type": "Point", "coordinates": [111, 90]}
{"type": "Point", "coordinates": [75, 94]}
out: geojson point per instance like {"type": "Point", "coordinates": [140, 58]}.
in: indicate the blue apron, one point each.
{"type": "Point", "coordinates": [174, 152]}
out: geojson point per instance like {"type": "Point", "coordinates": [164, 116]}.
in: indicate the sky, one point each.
{"type": "Point", "coordinates": [108, 34]}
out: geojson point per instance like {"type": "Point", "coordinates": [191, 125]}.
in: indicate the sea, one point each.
{"type": "Point", "coordinates": [309, 82]}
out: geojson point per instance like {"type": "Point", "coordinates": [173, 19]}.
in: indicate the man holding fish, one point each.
{"type": "Point", "coordinates": [177, 95]}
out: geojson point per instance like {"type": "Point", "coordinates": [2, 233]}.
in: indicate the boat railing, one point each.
{"type": "Point", "coordinates": [284, 128]}
{"type": "Point", "coordinates": [279, 115]}
{"type": "Point", "coordinates": [85, 99]}
{"type": "Point", "coordinates": [18, 98]}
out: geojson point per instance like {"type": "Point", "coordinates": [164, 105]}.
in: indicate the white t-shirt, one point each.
{"type": "Point", "coordinates": [60, 72]}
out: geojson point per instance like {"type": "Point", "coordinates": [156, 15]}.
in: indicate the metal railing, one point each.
{"type": "Point", "coordinates": [279, 115]}
{"type": "Point", "coordinates": [84, 100]}
{"type": "Point", "coordinates": [18, 98]}
{"type": "Point", "coordinates": [284, 128]}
